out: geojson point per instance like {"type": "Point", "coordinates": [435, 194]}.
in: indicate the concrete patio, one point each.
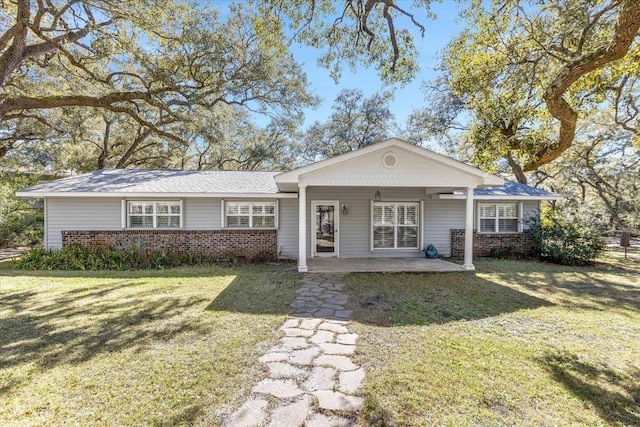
{"type": "Point", "coordinates": [387, 265]}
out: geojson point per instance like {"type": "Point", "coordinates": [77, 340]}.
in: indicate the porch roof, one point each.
{"type": "Point", "coordinates": [510, 190]}
{"type": "Point", "coordinates": [390, 163]}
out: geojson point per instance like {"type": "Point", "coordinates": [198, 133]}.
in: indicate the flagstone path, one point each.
{"type": "Point", "coordinates": [312, 379]}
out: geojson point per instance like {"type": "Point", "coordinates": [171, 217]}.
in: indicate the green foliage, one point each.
{"type": "Point", "coordinates": [510, 252]}
{"type": "Point", "coordinates": [21, 221]}
{"type": "Point", "coordinates": [352, 34]}
{"type": "Point", "coordinates": [598, 176]}
{"type": "Point", "coordinates": [565, 240]}
{"type": "Point", "coordinates": [77, 257]}
{"type": "Point", "coordinates": [355, 122]}
{"type": "Point", "coordinates": [146, 80]}
{"type": "Point", "coordinates": [234, 259]}
{"type": "Point", "coordinates": [498, 71]}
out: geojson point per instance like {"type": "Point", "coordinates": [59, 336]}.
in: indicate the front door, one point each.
{"type": "Point", "coordinates": [325, 228]}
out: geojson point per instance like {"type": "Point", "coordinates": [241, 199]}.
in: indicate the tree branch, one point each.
{"type": "Point", "coordinates": [13, 56]}
{"type": "Point", "coordinates": [626, 29]}
{"type": "Point", "coordinates": [108, 102]}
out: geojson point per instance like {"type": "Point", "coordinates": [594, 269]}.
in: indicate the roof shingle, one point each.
{"type": "Point", "coordinates": [159, 181]}
{"type": "Point", "coordinates": [511, 188]}
{"type": "Point", "coordinates": [162, 181]}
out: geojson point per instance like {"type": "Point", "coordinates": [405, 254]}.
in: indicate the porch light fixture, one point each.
{"type": "Point", "coordinates": [378, 196]}
{"type": "Point", "coordinates": [345, 209]}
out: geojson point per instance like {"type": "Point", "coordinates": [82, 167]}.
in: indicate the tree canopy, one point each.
{"type": "Point", "coordinates": [150, 64]}
{"type": "Point", "coordinates": [356, 121]}
{"type": "Point", "coordinates": [373, 33]}
{"type": "Point", "coordinates": [528, 73]}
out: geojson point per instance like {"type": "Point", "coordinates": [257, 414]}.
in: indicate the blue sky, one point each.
{"type": "Point", "coordinates": [438, 33]}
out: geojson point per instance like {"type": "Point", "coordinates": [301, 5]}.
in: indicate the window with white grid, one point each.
{"type": "Point", "coordinates": [154, 214]}
{"type": "Point", "coordinates": [395, 225]}
{"type": "Point", "coordinates": [498, 217]}
{"type": "Point", "coordinates": [250, 214]}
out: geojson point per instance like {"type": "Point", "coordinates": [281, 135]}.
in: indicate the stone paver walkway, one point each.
{"type": "Point", "coordinates": [312, 379]}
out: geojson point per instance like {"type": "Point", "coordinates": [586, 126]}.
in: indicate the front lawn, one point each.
{"type": "Point", "coordinates": [517, 343]}
{"type": "Point", "coordinates": [173, 347]}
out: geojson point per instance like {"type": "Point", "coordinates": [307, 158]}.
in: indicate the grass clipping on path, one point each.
{"type": "Point", "coordinates": [176, 347]}
{"type": "Point", "coordinates": [516, 343]}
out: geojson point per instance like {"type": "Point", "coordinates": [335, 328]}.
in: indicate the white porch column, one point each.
{"type": "Point", "coordinates": [302, 228]}
{"type": "Point", "coordinates": [468, 232]}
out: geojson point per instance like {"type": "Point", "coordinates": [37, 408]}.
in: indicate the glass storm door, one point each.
{"type": "Point", "coordinates": [325, 229]}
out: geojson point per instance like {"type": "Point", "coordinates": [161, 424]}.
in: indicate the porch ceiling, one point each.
{"type": "Point", "coordinates": [387, 265]}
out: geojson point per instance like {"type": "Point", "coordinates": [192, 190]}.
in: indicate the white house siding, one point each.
{"type": "Point", "coordinates": [105, 213]}
{"type": "Point", "coordinates": [440, 216]}
{"type": "Point", "coordinates": [288, 229]}
{"type": "Point", "coordinates": [355, 227]}
{"type": "Point", "coordinates": [202, 214]}
{"type": "Point", "coordinates": [530, 208]}
{"type": "Point", "coordinates": [411, 169]}
{"type": "Point", "coordinates": [73, 213]}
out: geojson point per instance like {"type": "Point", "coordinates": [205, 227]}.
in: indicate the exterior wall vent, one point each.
{"type": "Point", "coordinates": [390, 160]}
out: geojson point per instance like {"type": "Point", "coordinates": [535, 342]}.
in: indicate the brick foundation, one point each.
{"type": "Point", "coordinates": [484, 243]}
{"type": "Point", "coordinates": [249, 244]}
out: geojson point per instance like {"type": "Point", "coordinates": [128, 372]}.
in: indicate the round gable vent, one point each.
{"type": "Point", "coordinates": [390, 160]}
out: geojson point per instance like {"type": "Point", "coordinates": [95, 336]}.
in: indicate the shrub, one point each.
{"type": "Point", "coordinates": [510, 252]}
{"type": "Point", "coordinates": [569, 241]}
{"type": "Point", "coordinates": [77, 257]}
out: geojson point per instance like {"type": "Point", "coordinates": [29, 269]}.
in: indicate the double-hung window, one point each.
{"type": "Point", "coordinates": [498, 217]}
{"type": "Point", "coordinates": [152, 214]}
{"type": "Point", "coordinates": [250, 214]}
{"type": "Point", "coordinates": [395, 225]}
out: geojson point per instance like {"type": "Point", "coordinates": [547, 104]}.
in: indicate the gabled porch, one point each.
{"type": "Point", "coordinates": [371, 204]}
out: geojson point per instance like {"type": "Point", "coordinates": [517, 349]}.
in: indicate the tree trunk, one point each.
{"type": "Point", "coordinates": [516, 169]}
{"type": "Point", "coordinates": [102, 158]}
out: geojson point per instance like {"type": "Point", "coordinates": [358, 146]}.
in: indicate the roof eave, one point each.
{"type": "Point", "coordinates": [129, 195]}
{"type": "Point", "coordinates": [499, 197]}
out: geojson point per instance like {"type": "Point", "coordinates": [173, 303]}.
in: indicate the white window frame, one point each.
{"type": "Point", "coordinates": [418, 205]}
{"type": "Point", "coordinates": [127, 214]}
{"type": "Point", "coordinates": [251, 203]}
{"type": "Point", "coordinates": [497, 218]}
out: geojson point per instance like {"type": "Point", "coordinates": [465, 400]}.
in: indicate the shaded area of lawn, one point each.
{"type": "Point", "coordinates": [422, 299]}
{"type": "Point", "coordinates": [266, 297]}
{"type": "Point", "coordinates": [56, 331]}
{"type": "Point", "coordinates": [516, 343]}
{"type": "Point", "coordinates": [159, 348]}
{"type": "Point", "coordinates": [614, 394]}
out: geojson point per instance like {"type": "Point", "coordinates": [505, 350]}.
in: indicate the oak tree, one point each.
{"type": "Point", "coordinates": [151, 62]}
{"type": "Point", "coordinates": [522, 75]}
{"type": "Point", "coordinates": [356, 121]}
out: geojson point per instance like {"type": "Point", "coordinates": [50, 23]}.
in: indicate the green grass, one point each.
{"type": "Point", "coordinates": [516, 343]}
{"type": "Point", "coordinates": [172, 347]}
